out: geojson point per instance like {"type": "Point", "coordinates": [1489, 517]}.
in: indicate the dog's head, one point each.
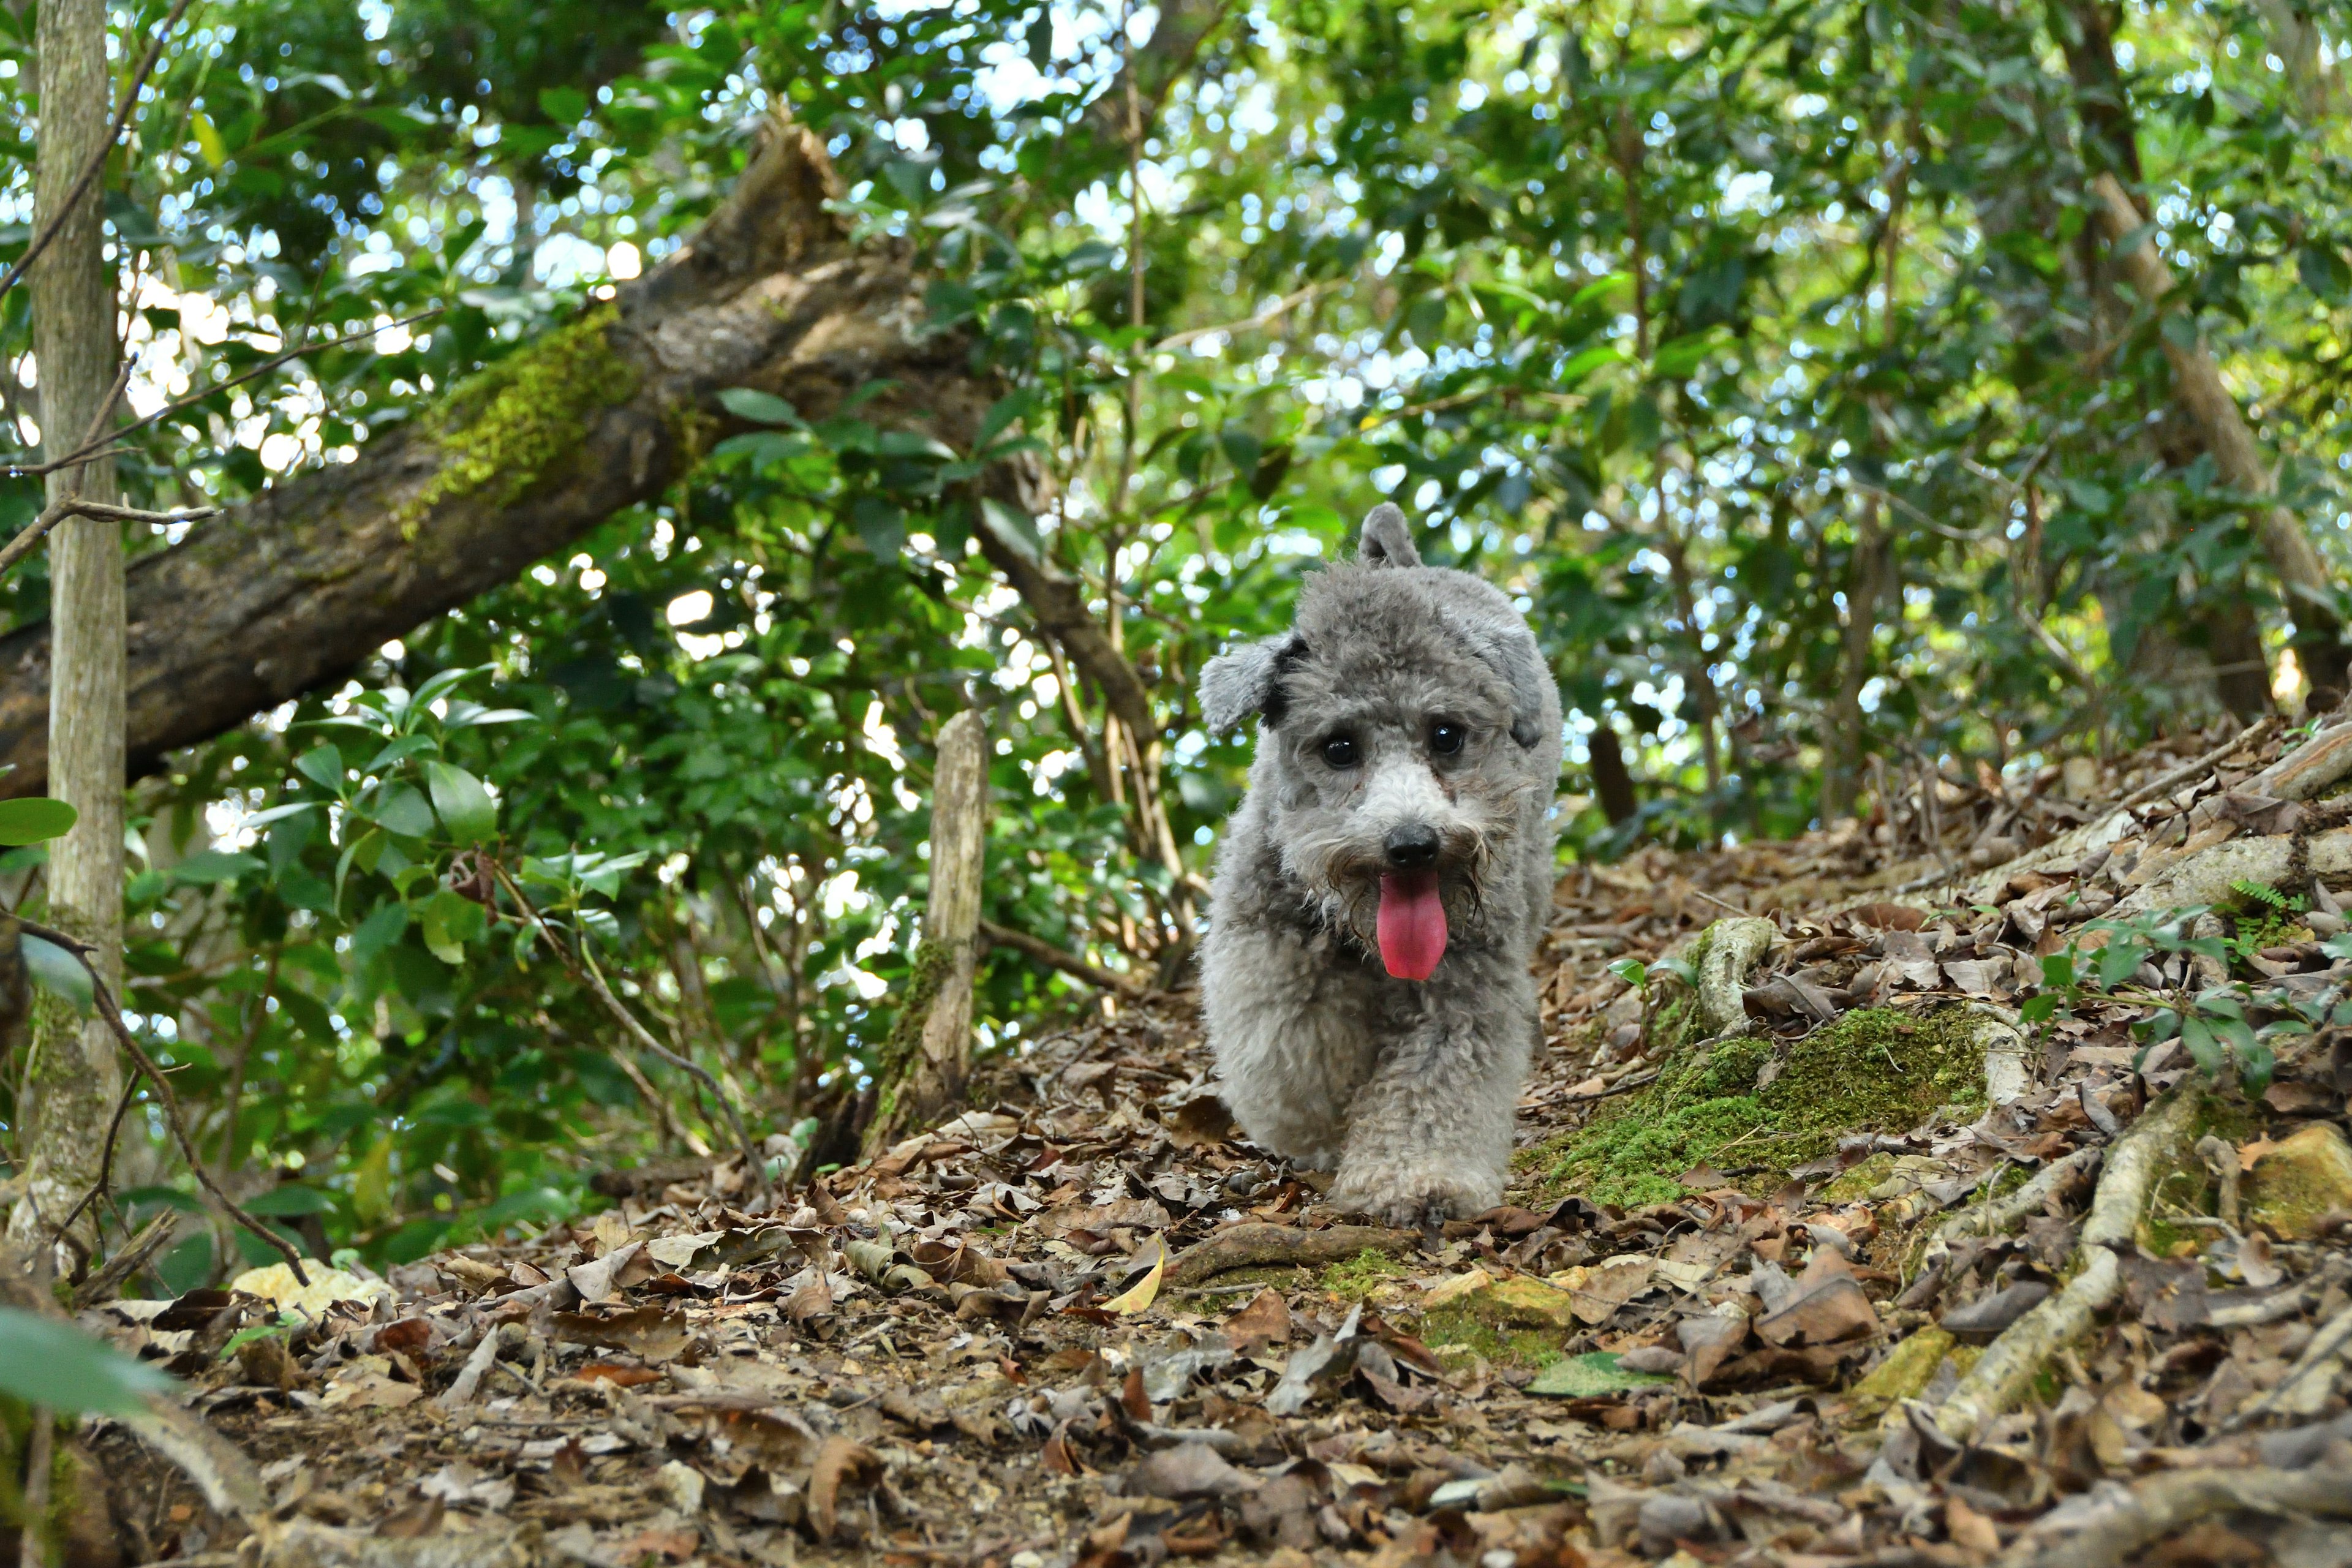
{"type": "Point", "coordinates": [1399, 722]}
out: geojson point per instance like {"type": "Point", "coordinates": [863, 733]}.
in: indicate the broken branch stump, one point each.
{"type": "Point", "coordinates": [927, 1062]}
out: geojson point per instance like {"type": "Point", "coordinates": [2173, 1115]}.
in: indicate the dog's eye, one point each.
{"type": "Point", "coordinates": [1339, 752]}
{"type": "Point", "coordinates": [1446, 740]}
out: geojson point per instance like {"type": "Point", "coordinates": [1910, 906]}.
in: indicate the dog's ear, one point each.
{"type": "Point", "coordinates": [1516, 661]}
{"type": "Point", "coordinates": [1387, 539]}
{"type": "Point", "coordinates": [1246, 680]}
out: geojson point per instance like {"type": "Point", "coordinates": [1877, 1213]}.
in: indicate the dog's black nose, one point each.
{"type": "Point", "coordinates": [1412, 845]}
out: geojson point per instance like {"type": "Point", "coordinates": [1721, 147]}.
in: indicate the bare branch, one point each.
{"type": "Point", "coordinates": [92, 442]}
{"type": "Point", "coordinates": [584, 969]}
{"type": "Point", "coordinates": [89, 175]}
{"type": "Point", "coordinates": [1038, 949]}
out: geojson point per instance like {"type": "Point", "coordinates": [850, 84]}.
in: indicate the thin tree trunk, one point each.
{"type": "Point", "coordinates": [1613, 781]}
{"type": "Point", "coordinates": [1866, 586]}
{"type": "Point", "coordinates": [72, 1078]}
{"type": "Point", "coordinates": [926, 1062]}
{"type": "Point", "coordinates": [2197, 383]}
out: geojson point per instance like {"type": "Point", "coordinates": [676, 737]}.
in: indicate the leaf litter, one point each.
{"type": "Point", "coordinates": [1861, 1276]}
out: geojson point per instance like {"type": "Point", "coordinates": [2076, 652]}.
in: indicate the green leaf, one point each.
{"type": "Point", "coordinates": [323, 767]}
{"type": "Point", "coordinates": [1586, 1376]}
{"type": "Point", "coordinates": [451, 920]}
{"type": "Point", "coordinates": [2119, 959]}
{"type": "Point", "coordinates": [382, 927]}
{"type": "Point", "coordinates": [914, 443]}
{"type": "Point", "coordinates": [400, 809]}
{"type": "Point", "coordinates": [1588, 361]}
{"type": "Point", "coordinates": [759, 407]}
{"type": "Point", "coordinates": [1014, 527]}
{"type": "Point", "coordinates": [563, 105]}
{"type": "Point", "coordinates": [210, 867]}
{"type": "Point", "coordinates": [465, 808]}
{"type": "Point", "coordinates": [34, 818]}
{"type": "Point", "coordinates": [55, 969]}
{"type": "Point", "coordinates": [289, 1198]}
{"type": "Point", "coordinates": [881, 525]}
{"type": "Point", "coordinates": [44, 1361]}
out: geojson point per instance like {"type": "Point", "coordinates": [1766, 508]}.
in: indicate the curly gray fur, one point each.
{"type": "Point", "coordinates": [1405, 1087]}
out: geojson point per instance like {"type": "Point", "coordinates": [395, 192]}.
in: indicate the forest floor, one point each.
{"type": "Point", "coordinates": [1871, 1271]}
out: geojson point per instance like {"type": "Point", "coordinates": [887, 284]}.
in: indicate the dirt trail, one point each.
{"type": "Point", "coordinates": [1831, 1244]}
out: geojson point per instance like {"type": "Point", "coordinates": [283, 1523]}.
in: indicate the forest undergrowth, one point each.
{"type": "Point", "coordinates": [1871, 1208]}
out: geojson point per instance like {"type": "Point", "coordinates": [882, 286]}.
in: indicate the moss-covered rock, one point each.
{"type": "Point", "coordinates": [1876, 1070]}
{"type": "Point", "coordinates": [2298, 1181]}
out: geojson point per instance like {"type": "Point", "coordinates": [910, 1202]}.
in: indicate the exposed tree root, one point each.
{"type": "Point", "coordinates": [2162, 1504]}
{"type": "Point", "coordinates": [1254, 1245]}
{"type": "Point", "coordinates": [1728, 949]}
{"type": "Point", "coordinates": [2154, 1143]}
{"type": "Point", "coordinates": [1999, 1217]}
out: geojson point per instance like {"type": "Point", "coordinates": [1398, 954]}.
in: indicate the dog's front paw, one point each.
{"type": "Point", "coordinates": [1410, 1198]}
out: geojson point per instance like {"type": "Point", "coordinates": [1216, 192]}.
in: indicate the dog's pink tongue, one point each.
{"type": "Point", "coordinates": [1412, 924]}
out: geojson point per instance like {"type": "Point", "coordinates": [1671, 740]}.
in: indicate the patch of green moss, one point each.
{"type": "Point", "coordinates": [1454, 1329]}
{"type": "Point", "coordinates": [501, 430]}
{"type": "Point", "coordinates": [1856, 1184]}
{"type": "Point", "coordinates": [1876, 1070]}
{"type": "Point", "coordinates": [1361, 1275]}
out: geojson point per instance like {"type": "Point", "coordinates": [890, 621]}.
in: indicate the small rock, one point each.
{"type": "Point", "coordinates": [1658, 1358]}
{"type": "Point", "coordinates": [1524, 1302]}
{"type": "Point", "coordinates": [2294, 1183]}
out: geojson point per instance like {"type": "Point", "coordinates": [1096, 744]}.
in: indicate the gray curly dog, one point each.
{"type": "Point", "coordinates": [1381, 890]}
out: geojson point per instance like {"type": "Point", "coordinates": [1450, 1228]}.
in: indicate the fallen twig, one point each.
{"type": "Point", "coordinates": [2162, 1504]}
{"type": "Point", "coordinates": [2198, 767]}
{"type": "Point", "coordinates": [1250, 1245]}
{"type": "Point", "coordinates": [126, 1260]}
{"type": "Point", "coordinates": [2310, 1383]}
{"type": "Point", "coordinates": [104, 999]}
{"type": "Point", "coordinates": [2154, 1143]}
{"type": "Point", "coordinates": [1996, 1217]}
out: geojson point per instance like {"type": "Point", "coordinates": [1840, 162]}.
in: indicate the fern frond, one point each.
{"type": "Point", "coordinates": [2248, 889]}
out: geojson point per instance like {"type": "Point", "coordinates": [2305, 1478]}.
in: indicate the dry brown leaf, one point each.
{"type": "Point", "coordinates": [1264, 1321]}
{"type": "Point", "coordinates": [839, 1463]}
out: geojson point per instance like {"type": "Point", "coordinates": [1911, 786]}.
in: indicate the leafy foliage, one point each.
{"type": "Point", "coordinates": [1766, 353]}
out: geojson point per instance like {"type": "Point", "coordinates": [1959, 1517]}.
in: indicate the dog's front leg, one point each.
{"type": "Point", "coordinates": [1429, 1134]}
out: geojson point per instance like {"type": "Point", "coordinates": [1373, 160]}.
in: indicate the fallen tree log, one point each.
{"type": "Point", "coordinates": [287, 591]}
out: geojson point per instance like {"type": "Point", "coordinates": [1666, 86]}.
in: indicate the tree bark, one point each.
{"type": "Point", "coordinates": [1873, 562]}
{"type": "Point", "coordinates": [71, 1078]}
{"type": "Point", "coordinates": [927, 1063]}
{"type": "Point", "coordinates": [287, 591]}
{"type": "Point", "coordinates": [2197, 382]}
{"type": "Point", "coordinates": [1613, 781]}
